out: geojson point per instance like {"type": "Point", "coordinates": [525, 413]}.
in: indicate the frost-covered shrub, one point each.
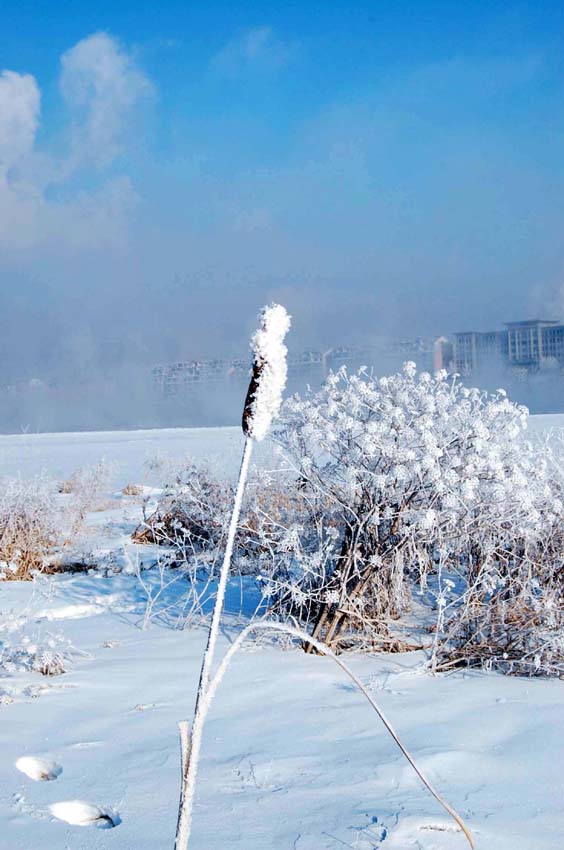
{"type": "Point", "coordinates": [31, 526]}
{"type": "Point", "coordinates": [427, 483]}
{"type": "Point", "coordinates": [507, 612]}
{"type": "Point", "coordinates": [191, 514]}
{"type": "Point", "coordinates": [292, 533]}
{"type": "Point", "coordinates": [38, 518]}
{"type": "Point", "coordinates": [26, 649]}
{"type": "Point", "coordinates": [409, 486]}
{"type": "Point", "coordinates": [87, 486]}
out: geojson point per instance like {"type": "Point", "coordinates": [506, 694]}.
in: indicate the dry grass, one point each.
{"type": "Point", "coordinates": [36, 523]}
{"type": "Point", "coordinates": [30, 527]}
{"type": "Point", "coordinates": [132, 490]}
{"type": "Point", "coordinates": [191, 515]}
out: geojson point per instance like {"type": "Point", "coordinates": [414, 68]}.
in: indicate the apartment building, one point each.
{"type": "Point", "coordinates": [531, 345]}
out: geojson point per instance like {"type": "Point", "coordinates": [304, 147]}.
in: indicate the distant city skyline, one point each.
{"type": "Point", "coordinates": [383, 170]}
{"type": "Point", "coordinates": [165, 171]}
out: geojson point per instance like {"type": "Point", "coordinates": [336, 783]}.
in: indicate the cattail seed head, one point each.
{"type": "Point", "coordinates": [268, 380]}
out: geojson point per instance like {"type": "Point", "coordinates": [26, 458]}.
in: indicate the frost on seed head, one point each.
{"type": "Point", "coordinates": [264, 396]}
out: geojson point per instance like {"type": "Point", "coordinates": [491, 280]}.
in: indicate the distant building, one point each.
{"type": "Point", "coordinates": [173, 379]}
{"type": "Point", "coordinates": [528, 345]}
{"type": "Point", "coordinates": [442, 354]}
{"type": "Point", "coordinates": [306, 367]}
{"type": "Point", "coordinates": [430, 353]}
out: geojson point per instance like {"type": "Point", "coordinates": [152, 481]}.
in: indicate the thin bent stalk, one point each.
{"type": "Point", "coordinates": [191, 742]}
{"type": "Point", "coordinates": [324, 650]}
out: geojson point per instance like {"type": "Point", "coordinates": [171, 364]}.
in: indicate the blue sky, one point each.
{"type": "Point", "coordinates": [383, 166]}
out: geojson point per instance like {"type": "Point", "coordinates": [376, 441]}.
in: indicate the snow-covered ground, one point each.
{"type": "Point", "coordinates": [59, 455]}
{"type": "Point", "coordinates": [293, 758]}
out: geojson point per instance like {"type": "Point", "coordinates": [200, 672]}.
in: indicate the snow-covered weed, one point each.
{"type": "Point", "coordinates": [262, 405]}
{"type": "Point", "coordinates": [87, 486]}
{"type": "Point", "coordinates": [408, 487]}
{"type": "Point", "coordinates": [191, 514]}
{"type": "Point", "coordinates": [30, 648]}
{"type": "Point", "coordinates": [32, 524]}
{"type": "Point", "coordinates": [171, 594]}
{"type": "Point", "coordinates": [39, 518]}
{"type": "Point", "coordinates": [419, 478]}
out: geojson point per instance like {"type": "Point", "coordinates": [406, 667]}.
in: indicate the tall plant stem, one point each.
{"type": "Point", "coordinates": [191, 741]}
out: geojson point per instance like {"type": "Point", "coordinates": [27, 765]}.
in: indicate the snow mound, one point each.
{"type": "Point", "coordinates": [71, 612]}
{"type": "Point", "coordinates": [80, 813]}
{"type": "Point", "coordinates": [38, 769]}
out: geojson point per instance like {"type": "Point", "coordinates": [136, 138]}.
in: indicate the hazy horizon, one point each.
{"type": "Point", "coordinates": [381, 170]}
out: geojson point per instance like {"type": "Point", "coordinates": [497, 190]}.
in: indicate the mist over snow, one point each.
{"type": "Point", "coordinates": [157, 187]}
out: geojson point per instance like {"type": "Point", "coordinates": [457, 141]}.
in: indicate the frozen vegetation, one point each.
{"type": "Point", "coordinates": [412, 525]}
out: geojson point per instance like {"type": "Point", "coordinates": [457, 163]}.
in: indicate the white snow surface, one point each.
{"type": "Point", "coordinates": [293, 758]}
{"type": "Point", "coordinates": [59, 455]}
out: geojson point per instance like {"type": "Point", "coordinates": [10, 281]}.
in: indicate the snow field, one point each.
{"type": "Point", "coordinates": [293, 758]}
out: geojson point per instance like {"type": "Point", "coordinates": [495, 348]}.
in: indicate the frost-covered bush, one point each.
{"type": "Point", "coordinates": [87, 487]}
{"type": "Point", "coordinates": [426, 484]}
{"type": "Point", "coordinates": [278, 523]}
{"type": "Point", "coordinates": [31, 526]}
{"type": "Point", "coordinates": [32, 649]}
{"type": "Point", "coordinates": [191, 515]}
{"type": "Point", "coordinates": [508, 611]}
{"type": "Point", "coordinates": [38, 518]}
{"type": "Point", "coordinates": [409, 487]}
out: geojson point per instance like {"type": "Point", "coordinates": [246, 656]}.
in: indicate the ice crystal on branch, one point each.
{"type": "Point", "coordinates": [269, 372]}
{"type": "Point", "coordinates": [426, 482]}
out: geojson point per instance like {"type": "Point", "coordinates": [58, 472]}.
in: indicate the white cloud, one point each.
{"type": "Point", "coordinates": [19, 116]}
{"type": "Point", "coordinates": [102, 84]}
{"type": "Point", "coordinates": [258, 49]}
{"type": "Point", "coordinates": [41, 201]}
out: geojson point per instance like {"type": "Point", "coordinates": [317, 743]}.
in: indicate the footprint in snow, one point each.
{"type": "Point", "coordinates": [38, 769]}
{"type": "Point", "coordinates": [80, 813]}
{"type": "Point", "coordinates": [369, 836]}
